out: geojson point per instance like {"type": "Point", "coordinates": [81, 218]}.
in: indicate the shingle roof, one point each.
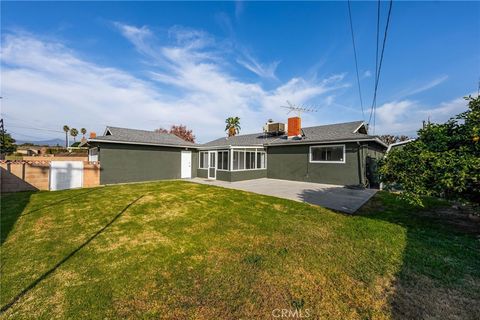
{"type": "Point", "coordinates": [333, 132]}
{"type": "Point", "coordinates": [142, 136]}
{"type": "Point", "coordinates": [241, 140]}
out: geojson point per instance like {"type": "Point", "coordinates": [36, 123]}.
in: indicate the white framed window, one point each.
{"type": "Point", "coordinates": [328, 154]}
{"type": "Point", "coordinates": [261, 156]}
{"type": "Point", "coordinates": [238, 160]}
{"type": "Point", "coordinates": [248, 160]}
{"type": "Point", "coordinates": [203, 159]}
{"type": "Point", "coordinates": [222, 162]}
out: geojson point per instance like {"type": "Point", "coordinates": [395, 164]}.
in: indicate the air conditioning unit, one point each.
{"type": "Point", "coordinates": [274, 128]}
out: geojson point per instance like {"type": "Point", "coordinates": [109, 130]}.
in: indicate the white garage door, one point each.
{"type": "Point", "coordinates": [66, 175]}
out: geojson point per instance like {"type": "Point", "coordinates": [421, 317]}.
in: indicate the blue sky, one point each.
{"type": "Point", "coordinates": [153, 64]}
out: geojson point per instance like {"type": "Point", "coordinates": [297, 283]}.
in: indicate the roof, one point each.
{"type": "Point", "coordinates": [134, 136]}
{"type": "Point", "coordinates": [348, 131]}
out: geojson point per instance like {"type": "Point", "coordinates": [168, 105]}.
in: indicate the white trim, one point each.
{"type": "Point", "coordinates": [228, 154]}
{"type": "Point", "coordinates": [143, 143]}
{"type": "Point", "coordinates": [230, 147]}
{"type": "Point", "coordinates": [326, 146]}
{"type": "Point", "coordinates": [356, 130]}
{"type": "Point", "coordinates": [245, 160]}
{"type": "Point", "coordinates": [214, 165]}
{"type": "Point", "coordinates": [326, 142]}
{"type": "Point", "coordinates": [200, 159]}
{"type": "Point", "coordinates": [107, 130]}
{"type": "Point", "coordinates": [398, 144]}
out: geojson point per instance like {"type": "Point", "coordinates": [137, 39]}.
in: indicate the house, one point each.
{"type": "Point", "coordinates": [340, 154]}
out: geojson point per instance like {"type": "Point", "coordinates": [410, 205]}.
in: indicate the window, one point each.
{"type": "Point", "coordinates": [238, 160]}
{"type": "Point", "coordinates": [203, 160]}
{"type": "Point", "coordinates": [333, 154]}
{"type": "Point", "coordinates": [250, 160]}
{"type": "Point", "coordinates": [222, 160]}
{"type": "Point", "coordinates": [260, 160]}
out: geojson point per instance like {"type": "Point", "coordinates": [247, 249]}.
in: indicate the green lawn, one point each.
{"type": "Point", "coordinates": [181, 250]}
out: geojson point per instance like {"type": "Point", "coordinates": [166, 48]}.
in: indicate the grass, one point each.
{"type": "Point", "coordinates": [181, 250]}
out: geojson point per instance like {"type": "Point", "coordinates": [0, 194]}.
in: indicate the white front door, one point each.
{"type": "Point", "coordinates": [212, 164]}
{"type": "Point", "coordinates": [186, 172]}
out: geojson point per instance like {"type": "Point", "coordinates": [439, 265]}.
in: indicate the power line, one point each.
{"type": "Point", "coordinates": [355, 56]}
{"type": "Point", "coordinates": [380, 64]}
{"type": "Point", "coordinates": [38, 129]}
{"type": "Point", "coordinates": [376, 56]}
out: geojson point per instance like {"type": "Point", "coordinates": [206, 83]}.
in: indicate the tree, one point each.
{"type": "Point", "coordinates": [390, 139]}
{"type": "Point", "coordinates": [84, 132]}
{"type": "Point", "coordinates": [161, 130]}
{"type": "Point", "coordinates": [443, 162]}
{"type": "Point", "coordinates": [66, 129]}
{"type": "Point", "coordinates": [180, 131]}
{"type": "Point", "coordinates": [233, 126]}
{"type": "Point", "coordinates": [74, 133]}
{"type": "Point", "coordinates": [7, 143]}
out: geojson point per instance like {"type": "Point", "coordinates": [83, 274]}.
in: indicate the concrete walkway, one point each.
{"type": "Point", "coordinates": [325, 195]}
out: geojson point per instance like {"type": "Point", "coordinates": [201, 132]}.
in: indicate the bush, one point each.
{"type": "Point", "coordinates": [443, 162]}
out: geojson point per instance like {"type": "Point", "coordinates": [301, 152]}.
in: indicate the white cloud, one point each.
{"type": "Point", "coordinates": [422, 88]}
{"type": "Point", "coordinates": [406, 116]}
{"type": "Point", "coordinates": [189, 83]}
{"type": "Point", "coordinates": [262, 70]}
{"type": "Point", "coordinates": [367, 74]}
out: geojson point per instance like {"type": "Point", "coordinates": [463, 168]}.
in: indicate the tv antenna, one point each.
{"type": "Point", "coordinates": [298, 109]}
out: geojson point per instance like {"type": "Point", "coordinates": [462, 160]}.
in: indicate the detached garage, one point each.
{"type": "Point", "coordinates": [129, 155]}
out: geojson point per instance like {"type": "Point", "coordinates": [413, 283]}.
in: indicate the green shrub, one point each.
{"type": "Point", "coordinates": [443, 162]}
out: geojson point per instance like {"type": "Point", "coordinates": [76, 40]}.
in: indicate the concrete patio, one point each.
{"type": "Point", "coordinates": [333, 197]}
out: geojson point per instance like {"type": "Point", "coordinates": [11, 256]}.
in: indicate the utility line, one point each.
{"type": "Point", "coordinates": [380, 63]}
{"type": "Point", "coordinates": [356, 61]}
{"type": "Point", "coordinates": [38, 129]}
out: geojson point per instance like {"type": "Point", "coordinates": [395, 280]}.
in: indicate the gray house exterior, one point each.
{"type": "Point", "coordinates": [128, 155]}
{"type": "Point", "coordinates": [341, 154]}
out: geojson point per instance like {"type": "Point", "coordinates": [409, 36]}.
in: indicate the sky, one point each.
{"type": "Point", "coordinates": [147, 65]}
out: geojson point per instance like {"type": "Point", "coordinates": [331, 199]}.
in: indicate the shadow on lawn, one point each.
{"type": "Point", "coordinates": [65, 259]}
{"type": "Point", "coordinates": [12, 207]}
{"type": "Point", "coordinates": [440, 268]}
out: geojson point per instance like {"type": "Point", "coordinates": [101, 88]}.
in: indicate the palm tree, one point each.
{"type": "Point", "coordinates": [66, 129]}
{"type": "Point", "coordinates": [84, 132]}
{"type": "Point", "coordinates": [233, 126]}
{"type": "Point", "coordinates": [73, 133]}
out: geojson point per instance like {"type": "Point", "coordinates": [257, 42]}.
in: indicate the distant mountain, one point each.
{"type": "Point", "coordinates": [52, 142]}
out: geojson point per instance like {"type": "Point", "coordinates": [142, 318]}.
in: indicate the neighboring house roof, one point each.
{"type": "Point", "coordinates": [397, 144]}
{"type": "Point", "coordinates": [348, 131]}
{"type": "Point", "coordinates": [134, 136]}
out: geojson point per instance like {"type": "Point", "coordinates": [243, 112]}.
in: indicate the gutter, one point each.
{"type": "Point", "coordinates": [144, 143]}
{"type": "Point", "coordinates": [326, 141]}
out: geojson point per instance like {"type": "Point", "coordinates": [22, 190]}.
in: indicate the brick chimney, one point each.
{"type": "Point", "coordinates": [93, 135]}
{"type": "Point", "coordinates": [294, 127]}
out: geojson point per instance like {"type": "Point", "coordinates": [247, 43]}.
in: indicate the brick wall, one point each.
{"type": "Point", "coordinates": [35, 175]}
{"type": "Point", "coordinates": [91, 174]}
